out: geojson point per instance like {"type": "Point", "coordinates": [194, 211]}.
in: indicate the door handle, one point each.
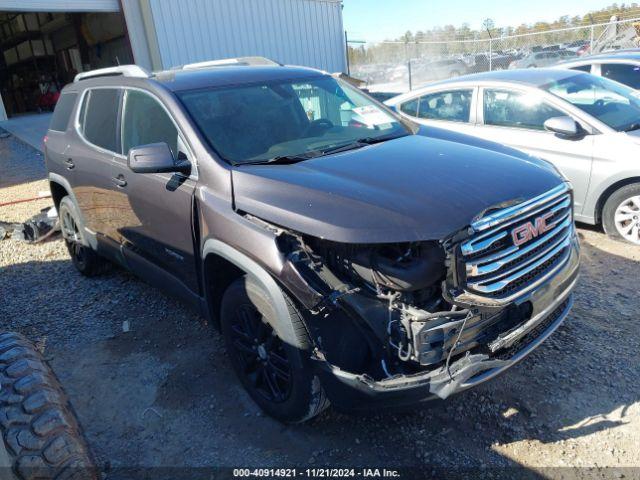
{"type": "Point", "coordinates": [70, 164]}
{"type": "Point", "coordinates": [120, 181]}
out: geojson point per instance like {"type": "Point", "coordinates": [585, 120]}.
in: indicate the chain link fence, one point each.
{"type": "Point", "coordinates": [399, 66]}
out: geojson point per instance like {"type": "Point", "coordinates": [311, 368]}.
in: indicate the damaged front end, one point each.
{"type": "Point", "coordinates": [404, 322]}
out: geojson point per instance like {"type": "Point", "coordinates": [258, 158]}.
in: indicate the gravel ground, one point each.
{"type": "Point", "coordinates": [163, 394]}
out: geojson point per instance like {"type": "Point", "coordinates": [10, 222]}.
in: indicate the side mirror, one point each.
{"type": "Point", "coordinates": [565, 127]}
{"type": "Point", "coordinates": [156, 158]}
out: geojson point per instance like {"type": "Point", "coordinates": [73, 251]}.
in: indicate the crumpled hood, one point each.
{"type": "Point", "coordinates": [409, 189]}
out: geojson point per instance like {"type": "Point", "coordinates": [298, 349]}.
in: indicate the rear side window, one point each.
{"type": "Point", "coordinates": [99, 117]}
{"type": "Point", "coordinates": [145, 121]}
{"type": "Point", "coordinates": [627, 74]}
{"type": "Point", "coordinates": [583, 68]}
{"type": "Point", "coordinates": [453, 106]}
{"type": "Point", "coordinates": [62, 112]}
{"type": "Point", "coordinates": [410, 107]}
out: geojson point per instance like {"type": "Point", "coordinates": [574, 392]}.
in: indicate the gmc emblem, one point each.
{"type": "Point", "coordinates": [530, 230]}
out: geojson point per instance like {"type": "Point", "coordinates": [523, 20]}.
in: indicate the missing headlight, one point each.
{"type": "Point", "coordinates": [408, 267]}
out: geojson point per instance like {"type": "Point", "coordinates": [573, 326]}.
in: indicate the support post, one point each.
{"type": "Point", "coordinates": [490, 54]}
{"type": "Point", "coordinates": [3, 112]}
{"type": "Point", "coordinates": [346, 49]}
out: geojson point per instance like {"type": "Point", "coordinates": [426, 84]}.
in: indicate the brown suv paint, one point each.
{"type": "Point", "coordinates": [347, 255]}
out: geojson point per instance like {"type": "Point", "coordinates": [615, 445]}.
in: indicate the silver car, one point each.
{"type": "Point", "coordinates": [587, 126]}
{"type": "Point", "coordinates": [622, 66]}
{"type": "Point", "coordinates": [537, 59]}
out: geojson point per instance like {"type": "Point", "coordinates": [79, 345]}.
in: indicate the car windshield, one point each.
{"type": "Point", "coordinates": [610, 102]}
{"type": "Point", "coordinates": [293, 119]}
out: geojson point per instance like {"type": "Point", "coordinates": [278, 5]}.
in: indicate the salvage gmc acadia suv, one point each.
{"type": "Point", "coordinates": [347, 255]}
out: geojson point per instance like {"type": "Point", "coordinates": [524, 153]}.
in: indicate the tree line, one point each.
{"type": "Point", "coordinates": [410, 44]}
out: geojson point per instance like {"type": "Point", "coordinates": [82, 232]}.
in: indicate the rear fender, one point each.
{"type": "Point", "coordinates": [89, 237]}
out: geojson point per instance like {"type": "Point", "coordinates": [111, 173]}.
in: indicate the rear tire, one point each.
{"type": "Point", "coordinates": [84, 258]}
{"type": "Point", "coordinates": [41, 438]}
{"type": "Point", "coordinates": [277, 375]}
{"type": "Point", "coordinates": [621, 214]}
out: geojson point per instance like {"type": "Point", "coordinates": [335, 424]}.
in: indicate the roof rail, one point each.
{"type": "Point", "coordinates": [124, 70]}
{"type": "Point", "coordinates": [230, 62]}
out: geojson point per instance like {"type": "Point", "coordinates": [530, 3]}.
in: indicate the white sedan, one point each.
{"type": "Point", "coordinates": [587, 126]}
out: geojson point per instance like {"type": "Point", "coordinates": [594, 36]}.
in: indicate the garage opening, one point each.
{"type": "Point", "coordinates": [43, 51]}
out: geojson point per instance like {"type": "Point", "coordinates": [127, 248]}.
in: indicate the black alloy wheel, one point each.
{"type": "Point", "coordinates": [84, 258]}
{"type": "Point", "coordinates": [71, 235]}
{"type": "Point", "coordinates": [269, 349]}
{"type": "Point", "coordinates": [261, 354]}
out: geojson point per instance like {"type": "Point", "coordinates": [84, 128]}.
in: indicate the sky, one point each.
{"type": "Point", "coordinates": [375, 20]}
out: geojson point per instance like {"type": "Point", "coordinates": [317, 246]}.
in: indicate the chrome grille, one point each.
{"type": "Point", "coordinates": [497, 267]}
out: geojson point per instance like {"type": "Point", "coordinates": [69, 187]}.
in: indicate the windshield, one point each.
{"type": "Point", "coordinates": [273, 120]}
{"type": "Point", "coordinates": [610, 102]}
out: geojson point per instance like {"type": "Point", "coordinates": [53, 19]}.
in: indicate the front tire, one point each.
{"type": "Point", "coordinates": [84, 258]}
{"type": "Point", "coordinates": [277, 375]}
{"type": "Point", "coordinates": [621, 214]}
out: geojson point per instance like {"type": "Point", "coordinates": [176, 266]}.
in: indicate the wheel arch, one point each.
{"type": "Point", "coordinates": [223, 264]}
{"type": "Point", "coordinates": [60, 188]}
{"type": "Point", "coordinates": [610, 190]}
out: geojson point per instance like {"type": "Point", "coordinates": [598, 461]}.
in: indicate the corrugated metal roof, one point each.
{"type": "Point", "coordinates": [296, 32]}
{"type": "Point", "coordinates": [60, 5]}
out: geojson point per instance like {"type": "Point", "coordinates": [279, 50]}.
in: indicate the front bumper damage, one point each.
{"type": "Point", "coordinates": [551, 302]}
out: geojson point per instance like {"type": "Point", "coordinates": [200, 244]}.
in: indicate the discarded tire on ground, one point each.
{"type": "Point", "coordinates": [41, 438]}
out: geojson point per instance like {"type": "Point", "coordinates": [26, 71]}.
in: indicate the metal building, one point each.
{"type": "Point", "coordinates": [45, 42]}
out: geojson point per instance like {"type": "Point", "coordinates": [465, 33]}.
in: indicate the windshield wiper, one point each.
{"type": "Point", "coordinates": [360, 142]}
{"type": "Point", "coordinates": [343, 148]}
{"type": "Point", "coordinates": [289, 159]}
{"type": "Point", "coordinates": [380, 139]}
{"type": "Point", "coordinates": [279, 160]}
{"type": "Point", "coordinates": [632, 127]}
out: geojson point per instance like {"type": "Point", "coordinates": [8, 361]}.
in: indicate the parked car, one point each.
{"type": "Point", "coordinates": [577, 46]}
{"type": "Point", "coordinates": [567, 54]}
{"type": "Point", "coordinates": [504, 60]}
{"type": "Point", "coordinates": [438, 70]}
{"type": "Point", "coordinates": [587, 126]}
{"type": "Point", "coordinates": [477, 63]}
{"type": "Point", "coordinates": [536, 60]}
{"type": "Point", "coordinates": [621, 66]}
{"type": "Point", "coordinates": [345, 255]}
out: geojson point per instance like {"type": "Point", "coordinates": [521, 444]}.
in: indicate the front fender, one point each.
{"type": "Point", "coordinates": [262, 278]}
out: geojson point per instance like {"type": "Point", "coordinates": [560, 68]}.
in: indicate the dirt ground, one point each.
{"type": "Point", "coordinates": [163, 395]}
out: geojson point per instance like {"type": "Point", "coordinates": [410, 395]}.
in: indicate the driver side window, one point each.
{"type": "Point", "coordinates": [144, 121]}
{"type": "Point", "coordinates": [507, 108]}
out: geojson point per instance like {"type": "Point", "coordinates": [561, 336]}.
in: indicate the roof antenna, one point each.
{"type": "Point", "coordinates": [117, 61]}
